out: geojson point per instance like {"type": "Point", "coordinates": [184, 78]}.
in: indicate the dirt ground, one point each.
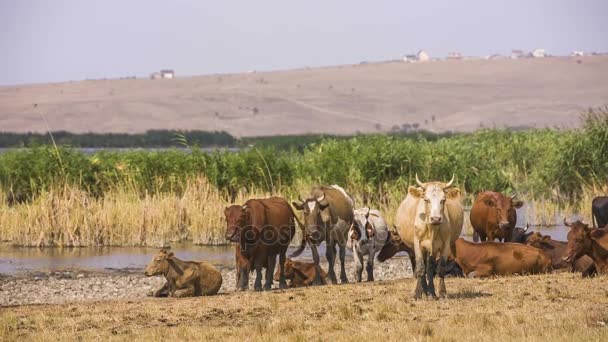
{"type": "Point", "coordinates": [557, 307]}
{"type": "Point", "coordinates": [372, 97]}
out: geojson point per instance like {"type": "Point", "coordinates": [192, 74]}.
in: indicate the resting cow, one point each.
{"type": "Point", "coordinates": [492, 258]}
{"type": "Point", "coordinates": [328, 215]}
{"type": "Point", "coordinates": [599, 211]}
{"type": "Point", "coordinates": [300, 273]}
{"type": "Point", "coordinates": [367, 236]}
{"type": "Point", "coordinates": [262, 229]}
{"type": "Point", "coordinates": [493, 216]}
{"type": "Point", "coordinates": [557, 251]}
{"type": "Point", "coordinates": [521, 235]}
{"type": "Point", "coordinates": [592, 242]}
{"type": "Point", "coordinates": [184, 278]}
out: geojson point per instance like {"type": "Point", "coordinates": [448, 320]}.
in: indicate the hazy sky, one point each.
{"type": "Point", "coordinates": [60, 40]}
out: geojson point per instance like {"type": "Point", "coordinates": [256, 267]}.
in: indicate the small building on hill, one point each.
{"type": "Point", "coordinates": [166, 73]}
{"type": "Point", "coordinates": [454, 55]}
{"type": "Point", "coordinates": [538, 53]}
{"type": "Point", "coordinates": [422, 56]}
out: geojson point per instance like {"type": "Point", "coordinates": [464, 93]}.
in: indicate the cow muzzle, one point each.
{"type": "Point", "coordinates": [233, 236]}
{"type": "Point", "coordinates": [503, 225]}
{"type": "Point", "coordinates": [436, 219]}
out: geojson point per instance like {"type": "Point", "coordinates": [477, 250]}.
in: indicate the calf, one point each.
{"type": "Point", "coordinates": [593, 242]}
{"type": "Point", "coordinates": [184, 278]}
{"type": "Point", "coordinates": [367, 236]}
{"type": "Point", "coordinates": [300, 273]}
{"type": "Point", "coordinates": [492, 258]}
{"type": "Point", "coordinates": [557, 252]}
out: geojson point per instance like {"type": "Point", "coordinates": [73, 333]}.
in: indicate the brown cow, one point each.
{"type": "Point", "coordinates": [493, 216]}
{"type": "Point", "coordinates": [184, 278]}
{"type": "Point", "coordinates": [557, 251]}
{"type": "Point", "coordinates": [263, 229]}
{"type": "Point", "coordinates": [593, 242]}
{"type": "Point", "coordinates": [492, 258]}
{"type": "Point", "coordinates": [300, 273]}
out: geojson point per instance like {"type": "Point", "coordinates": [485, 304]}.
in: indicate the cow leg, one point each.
{"type": "Point", "coordinates": [442, 268]}
{"type": "Point", "coordinates": [272, 260]}
{"type": "Point", "coordinates": [257, 285]}
{"type": "Point", "coordinates": [430, 273]}
{"type": "Point", "coordinates": [330, 254]}
{"type": "Point", "coordinates": [359, 263]}
{"type": "Point", "coordinates": [475, 236]}
{"type": "Point", "coordinates": [282, 282]}
{"type": "Point", "coordinates": [243, 280]}
{"type": "Point", "coordinates": [315, 258]}
{"type": "Point", "coordinates": [421, 285]}
{"type": "Point", "coordinates": [343, 277]}
{"type": "Point", "coordinates": [370, 265]}
{"type": "Point", "coordinates": [163, 291]}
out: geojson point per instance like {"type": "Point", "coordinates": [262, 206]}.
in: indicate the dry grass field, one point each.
{"type": "Point", "coordinates": [460, 95]}
{"type": "Point", "coordinates": [558, 307]}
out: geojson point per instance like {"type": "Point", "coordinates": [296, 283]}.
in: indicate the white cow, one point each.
{"type": "Point", "coordinates": [367, 236]}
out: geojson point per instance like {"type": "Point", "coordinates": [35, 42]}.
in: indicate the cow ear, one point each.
{"type": "Point", "coordinates": [546, 238]}
{"type": "Point", "coordinates": [170, 255]}
{"type": "Point", "coordinates": [415, 192]}
{"type": "Point", "coordinates": [298, 205]}
{"type": "Point", "coordinates": [452, 193]}
{"type": "Point", "coordinates": [597, 233]}
{"type": "Point", "coordinates": [518, 204]}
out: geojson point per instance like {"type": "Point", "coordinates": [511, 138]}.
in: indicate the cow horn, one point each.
{"type": "Point", "coordinates": [420, 184]}
{"type": "Point", "coordinates": [514, 195]}
{"type": "Point", "coordinates": [367, 215]}
{"type": "Point", "coordinates": [527, 226]}
{"type": "Point", "coordinates": [245, 207]}
{"type": "Point", "coordinates": [566, 223]}
{"type": "Point", "coordinates": [319, 199]}
{"type": "Point", "coordinates": [448, 184]}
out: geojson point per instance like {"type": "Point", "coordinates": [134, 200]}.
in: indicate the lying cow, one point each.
{"type": "Point", "coordinates": [521, 235]}
{"type": "Point", "coordinates": [592, 242]}
{"type": "Point", "coordinates": [184, 278]}
{"type": "Point", "coordinates": [557, 251]}
{"type": "Point", "coordinates": [493, 216]}
{"type": "Point", "coordinates": [367, 236]}
{"type": "Point", "coordinates": [300, 273]}
{"type": "Point", "coordinates": [492, 258]}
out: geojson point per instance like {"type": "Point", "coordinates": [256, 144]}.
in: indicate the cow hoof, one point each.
{"type": "Point", "coordinates": [267, 287]}
{"type": "Point", "coordinates": [472, 274]}
{"type": "Point", "coordinates": [257, 289]}
{"type": "Point", "coordinates": [344, 280]}
{"type": "Point", "coordinates": [282, 286]}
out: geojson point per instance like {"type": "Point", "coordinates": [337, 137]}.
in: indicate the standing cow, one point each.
{"type": "Point", "coordinates": [493, 216]}
{"type": "Point", "coordinates": [366, 237]}
{"type": "Point", "coordinates": [262, 229]}
{"type": "Point", "coordinates": [435, 223]}
{"type": "Point", "coordinates": [328, 215]}
{"type": "Point", "coordinates": [599, 211]}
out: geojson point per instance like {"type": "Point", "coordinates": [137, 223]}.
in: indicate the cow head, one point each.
{"type": "Point", "coordinates": [433, 195]}
{"type": "Point", "coordinates": [537, 240]}
{"type": "Point", "coordinates": [237, 219]}
{"type": "Point", "coordinates": [521, 235]}
{"type": "Point", "coordinates": [316, 215]}
{"type": "Point", "coordinates": [393, 245]}
{"type": "Point", "coordinates": [580, 239]}
{"type": "Point", "coordinates": [502, 211]}
{"type": "Point", "coordinates": [361, 229]}
{"type": "Point", "coordinates": [288, 270]}
{"type": "Point", "coordinates": [159, 264]}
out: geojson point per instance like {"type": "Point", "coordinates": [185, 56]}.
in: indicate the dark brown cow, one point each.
{"type": "Point", "coordinates": [263, 229]}
{"type": "Point", "coordinates": [557, 251]}
{"type": "Point", "coordinates": [599, 211]}
{"type": "Point", "coordinates": [593, 242]}
{"type": "Point", "coordinates": [300, 273]}
{"type": "Point", "coordinates": [493, 216]}
{"type": "Point", "coordinates": [520, 234]}
{"type": "Point", "coordinates": [492, 258]}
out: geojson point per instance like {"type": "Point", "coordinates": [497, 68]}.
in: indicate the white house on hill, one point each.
{"type": "Point", "coordinates": [422, 56]}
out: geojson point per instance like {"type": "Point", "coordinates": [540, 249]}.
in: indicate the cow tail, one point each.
{"type": "Point", "coordinates": [302, 246]}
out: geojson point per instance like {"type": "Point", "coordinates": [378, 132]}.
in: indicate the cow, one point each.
{"type": "Point", "coordinates": [328, 215]}
{"type": "Point", "coordinates": [521, 235]}
{"type": "Point", "coordinates": [599, 211]}
{"type": "Point", "coordinates": [184, 278]}
{"type": "Point", "coordinates": [493, 216]}
{"type": "Point", "coordinates": [493, 258]}
{"type": "Point", "coordinates": [367, 236]}
{"type": "Point", "coordinates": [557, 251]}
{"type": "Point", "coordinates": [431, 217]}
{"type": "Point", "coordinates": [300, 273]}
{"type": "Point", "coordinates": [263, 230]}
{"type": "Point", "coordinates": [593, 242]}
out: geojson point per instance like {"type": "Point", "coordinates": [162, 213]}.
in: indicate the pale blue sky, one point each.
{"type": "Point", "coordinates": [60, 40]}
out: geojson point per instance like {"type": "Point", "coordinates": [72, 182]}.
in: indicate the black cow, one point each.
{"type": "Point", "coordinates": [599, 211]}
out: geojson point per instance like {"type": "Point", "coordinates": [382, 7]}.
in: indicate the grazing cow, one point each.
{"type": "Point", "coordinates": [300, 273]}
{"type": "Point", "coordinates": [328, 215]}
{"type": "Point", "coordinates": [402, 237]}
{"type": "Point", "coordinates": [492, 258]}
{"type": "Point", "coordinates": [557, 251]}
{"type": "Point", "coordinates": [366, 237]}
{"type": "Point", "coordinates": [184, 278]}
{"type": "Point", "coordinates": [520, 235]}
{"type": "Point", "coordinates": [435, 222]}
{"type": "Point", "coordinates": [263, 229]}
{"type": "Point", "coordinates": [493, 216]}
{"type": "Point", "coordinates": [599, 211]}
{"type": "Point", "coordinates": [583, 240]}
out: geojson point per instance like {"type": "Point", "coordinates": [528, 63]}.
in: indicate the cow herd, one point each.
{"type": "Point", "coordinates": [427, 226]}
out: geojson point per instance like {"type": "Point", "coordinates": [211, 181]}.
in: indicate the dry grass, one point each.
{"type": "Point", "coordinates": [560, 307]}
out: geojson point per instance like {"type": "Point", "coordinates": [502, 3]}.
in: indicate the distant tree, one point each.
{"type": "Point", "coordinates": [433, 118]}
{"type": "Point", "coordinates": [255, 110]}
{"type": "Point", "coordinates": [378, 126]}
{"type": "Point", "coordinates": [415, 126]}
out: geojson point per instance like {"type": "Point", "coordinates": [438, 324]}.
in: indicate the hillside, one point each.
{"type": "Point", "coordinates": [459, 95]}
